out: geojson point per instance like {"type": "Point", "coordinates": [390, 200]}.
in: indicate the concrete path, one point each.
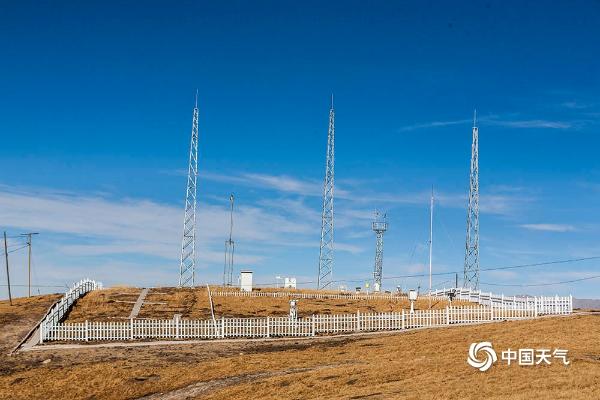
{"type": "Point", "coordinates": [138, 304]}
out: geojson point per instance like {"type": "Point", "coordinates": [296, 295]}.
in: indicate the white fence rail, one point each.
{"type": "Point", "coordinates": [279, 326]}
{"type": "Point", "coordinates": [56, 313]}
{"type": "Point", "coordinates": [542, 304]}
{"type": "Point", "coordinates": [333, 296]}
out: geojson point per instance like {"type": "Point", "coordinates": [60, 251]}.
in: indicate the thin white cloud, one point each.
{"type": "Point", "coordinates": [532, 123]}
{"type": "Point", "coordinates": [281, 183]}
{"type": "Point", "coordinates": [549, 227]}
{"type": "Point", "coordinates": [496, 121]}
{"type": "Point", "coordinates": [435, 124]}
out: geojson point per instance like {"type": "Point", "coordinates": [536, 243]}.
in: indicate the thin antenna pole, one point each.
{"type": "Point", "coordinates": [430, 241]}
{"type": "Point", "coordinates": [231, 200]}
{"type": "Point", "coordinates": [7, 271]}
{"type": "Point", "coordinates": [28, 236]}
{"type": "Point", "coordinates": [229, 248]}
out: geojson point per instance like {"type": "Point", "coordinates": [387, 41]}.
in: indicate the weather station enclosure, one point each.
{"type": "Point", "coordinates": [246, 281]}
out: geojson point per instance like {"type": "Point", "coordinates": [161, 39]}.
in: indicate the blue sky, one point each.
{"type": "Point", "coordinates": [96, 110]}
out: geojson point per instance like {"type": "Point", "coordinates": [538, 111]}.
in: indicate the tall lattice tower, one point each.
{"type": "Point", "coordinates": [325, 277]}
{"type": "Point", "coordinates": [229, 249]}
{"type": "Point", "coordinates": [187, 265]}
{"type": "Point", "coordinates": [471, 273]}
{"type": "Point", "coordinates": [379, 226]}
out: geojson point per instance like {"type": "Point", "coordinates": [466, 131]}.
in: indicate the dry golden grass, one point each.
{"type": "Point", "coordinates": [273, 306]}
{"type": "Point", "coordinates": [424, 364]}
{"type": "Point", "coordinates": [190, 303]}
{"type": "Point", "coordinates": [104, 305]}
{"type": "Point", "coordinates": [18, 319]}
{"type": "Point", "coordinates": [163, 303]}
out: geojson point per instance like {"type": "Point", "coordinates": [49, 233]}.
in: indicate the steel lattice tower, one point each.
{"type": "Point", "coordinates": [325, 276]}
{"type": "Point", "coordinates": [379, 226]}
{"type": "Point", "coordinates": [471, 273]}
{"type": "Point", "coordinates": [229, 249]}
{"type": "Point", "coordinates": [187, 265]}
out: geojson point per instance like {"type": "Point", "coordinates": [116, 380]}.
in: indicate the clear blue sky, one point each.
{"type": "Point", "coordinates": [96, 110]}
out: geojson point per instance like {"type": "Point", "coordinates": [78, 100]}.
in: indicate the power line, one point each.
{"type": "Point", "coordinates": [544, 284]}
{"type": "Point", "coordinates": [41, 286]}
{"type": "Point", "coordinates": [17, 249]}
{"type": "Point", "coordinates": [555, 262]}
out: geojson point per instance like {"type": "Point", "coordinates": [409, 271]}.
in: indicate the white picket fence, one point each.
{"type": "Point", "coordinates": [267, 327]}
{"type": "Point", "coordinates": [544, 305]}
{"type": "Point", "coordinates": [60, 309]}
{"type": "Point", "coordinates": [333, 296]}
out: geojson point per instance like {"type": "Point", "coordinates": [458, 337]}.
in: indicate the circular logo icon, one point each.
{"type": "Point", "coordinates": [490, 356]}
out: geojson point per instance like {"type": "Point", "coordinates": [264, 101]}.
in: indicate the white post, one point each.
{"type": "Point", "coordinates": [86, 331]}
{"type": "Point", "coordinates": [535, 306]}
{"type": "Point", "coordinates": [570, 304]}
{"type": "Point", "coordinates": [131, 328]}
{"type": "Point", "coordinates": [42, 332]}
{"type": "Point", "coordinates": [176, 328]}
{"type": "Point", "coordinates": [222, 327]}
{"type": "Point", "coordinates": [313, 324]}
{"type": "Point", "coordinates": [357, 320]}
{"type": "Point", "coordinates": [447, 315]}
{"type": "Point", "coordinates": [268, 327]}
{"type": "Point", "coordinates": [403, 324]}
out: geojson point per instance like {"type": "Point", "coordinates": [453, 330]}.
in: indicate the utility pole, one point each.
{"type": "Point", "coordinates": [471, 270]}
{"type": "Point", "coordinates": [7, 271]}
{"type": "Point", "coordinates": [430, 241]}
{"type": "Point", "coordinates": [229, 249]}
{"type": "Point", "coordinates": [28, 236]}
{"type": "Point", "coordinates": [187, 265]}
{"type": "Point", "coordinates": [325, 277]}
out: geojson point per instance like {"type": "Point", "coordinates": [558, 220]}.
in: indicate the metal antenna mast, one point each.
{"type": "Point", "coordinates": [229, 249]}
{"type": "Point", "coordinates": [187, 265]}
{"type": "Point", "coordinates": [325, 276]}
{"type": "Point", "coordinates": [471, 273]}
{"type": "Point", "coordinates": [430, 237]}
{"type": "Point", "coordinates": [379, 226]}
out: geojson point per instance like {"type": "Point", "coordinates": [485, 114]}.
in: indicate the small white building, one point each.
{"type": "Point", "coordinates": [290, 283]}
{"type": "Point", "coordinates": [246, 281]}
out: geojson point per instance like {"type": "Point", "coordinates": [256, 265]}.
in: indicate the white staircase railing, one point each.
{"type": "Point", "coordinates": [60, 309]}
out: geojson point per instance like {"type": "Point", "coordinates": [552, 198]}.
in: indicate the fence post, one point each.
{"type": "Point", "coordinates": [131, 328]}
{"type": "Point", "coordinates": [491, 313]}
{"type": "Point", "coordinates": [447, 315]}
{"type": "Point", "coordinates": [222, 327]}
{"type": "Point", "coordinates": [176, 328]}
{"type": "Point", "coordinates": [313, 324]}
{"type": "Point", "coordinates": [357, 320]}
{"type": "Point", "coordinates": [535, 306]}
{"type": "Point", "coordinates": [86, 331]}
{"type": "Point", "coordinates": [570, 304]}
{"type": "Point", "coordinates": [42, 332]}
{"type": "Point", "coordinates": [268, 326]}
{"type": "Point", "coordinates": [403, 325]}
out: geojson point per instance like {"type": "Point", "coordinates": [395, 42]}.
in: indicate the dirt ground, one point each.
{"type": "Point", "coordinates": [163, 303]}
{"type": "Point", "coordinates": [17, 320]}
{"type": "Point", "coordinates": [424, 364]}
